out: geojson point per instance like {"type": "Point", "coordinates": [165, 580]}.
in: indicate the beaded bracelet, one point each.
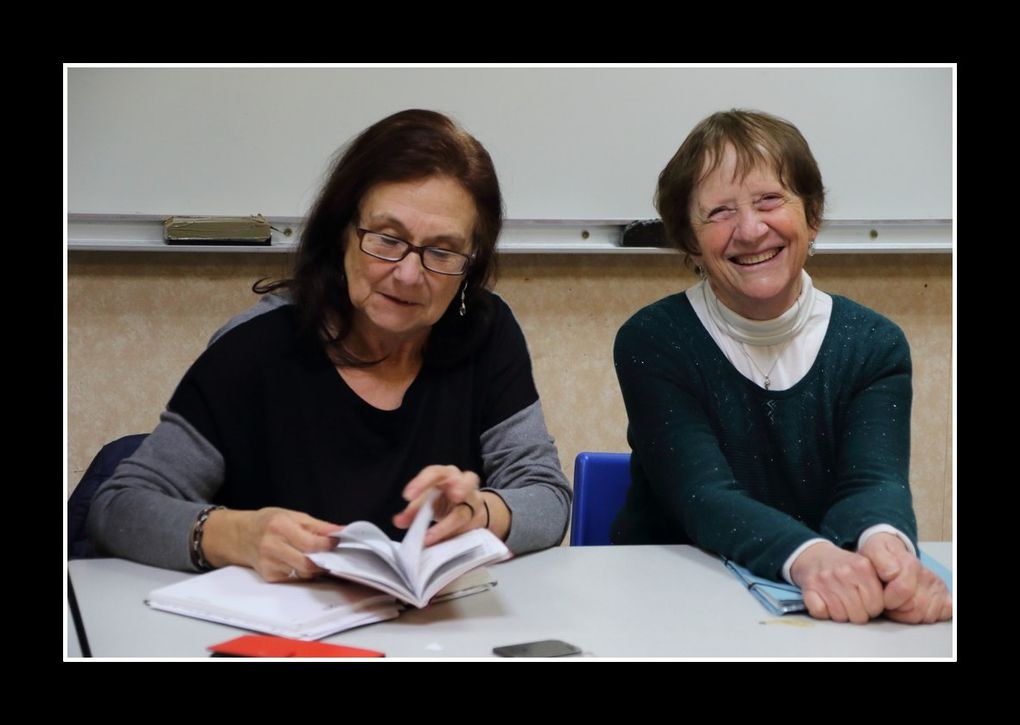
{"type": "Point", "coordinates": [197, 557]}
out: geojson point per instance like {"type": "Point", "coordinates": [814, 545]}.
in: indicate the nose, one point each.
{"type": "Point", "coordinates": [750, 226]}
{"type": "Point", "coordinates": [410, 269]}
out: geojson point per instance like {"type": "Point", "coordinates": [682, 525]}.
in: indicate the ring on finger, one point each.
{"type": "Point", "coordinates": [293, 574]}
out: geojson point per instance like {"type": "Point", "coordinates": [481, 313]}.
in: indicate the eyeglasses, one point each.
{"type": "Point", "coordinates": [391, 249]}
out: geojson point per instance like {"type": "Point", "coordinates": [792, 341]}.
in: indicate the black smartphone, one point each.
{"type": "Point", "coordinates": [544, 648]}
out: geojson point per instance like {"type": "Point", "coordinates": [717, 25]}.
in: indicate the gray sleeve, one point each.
{"type": "Point", "coordinates": [267, 303]}
{"type": "Point", "coordinates": [522, 467]}
{"type": "Point", "coordinates": [146, 510]}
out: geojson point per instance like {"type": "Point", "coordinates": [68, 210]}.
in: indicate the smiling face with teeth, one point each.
{"type": "Point", "coordinates": [753, 238]}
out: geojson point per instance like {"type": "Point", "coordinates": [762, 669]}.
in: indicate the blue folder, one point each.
{"type": "Point", "coordinates": [782, 598]}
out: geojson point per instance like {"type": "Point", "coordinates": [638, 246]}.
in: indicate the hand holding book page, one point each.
{"type": "Point", "coordinates": [407, 570]}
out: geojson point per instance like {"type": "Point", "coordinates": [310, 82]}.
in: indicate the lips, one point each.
{"type": "Point", "coordinates": [399, 301]}
{"type": "Point", "coordinates": [747, 260]}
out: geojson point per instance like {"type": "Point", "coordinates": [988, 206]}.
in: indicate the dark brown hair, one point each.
{"type": "Point", "coordinates": [406, 146]}
{"type": "Point", "coordinates": [760, 140]}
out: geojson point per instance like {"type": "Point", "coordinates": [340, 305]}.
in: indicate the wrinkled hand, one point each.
{"type": "Point", "coordinates": [457, 509]}
{"type": "Point", "coordinates": [838, 584]}
{"type": "Point", "coordinates": [912, 593]}
{"type": "Point", "coordinates": [272, 541]}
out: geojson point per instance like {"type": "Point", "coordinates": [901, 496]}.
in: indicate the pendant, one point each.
{"type": "Point", "coordinates": [767, 382]}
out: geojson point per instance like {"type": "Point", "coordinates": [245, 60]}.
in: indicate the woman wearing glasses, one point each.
{"type": "Point", "coordinates": [770, 422]}
{"type": "Point", "coordinates": [381, 370]}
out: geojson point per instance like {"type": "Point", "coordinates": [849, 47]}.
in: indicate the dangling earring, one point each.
{"type": "Point", "coordinates": [811, 248]}
{"type": "Point", "coordinates": [463, 305]}
{"type": "Point", "coordinates": [700, 271]}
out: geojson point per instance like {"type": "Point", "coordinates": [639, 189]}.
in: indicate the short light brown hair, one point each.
{"type": "Point", "coordinates": [760, 140]}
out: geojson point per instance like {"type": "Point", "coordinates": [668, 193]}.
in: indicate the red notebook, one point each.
{"type": "Point", "coordinates": [258, 645]}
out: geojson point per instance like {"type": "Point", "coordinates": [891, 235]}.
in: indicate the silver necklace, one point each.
{"type": "Point", "coordinates": [767, 380]}
{"type": "Point", "coordinates": [766, 376]}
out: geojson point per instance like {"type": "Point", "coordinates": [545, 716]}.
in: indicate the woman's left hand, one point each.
{"type": "Point", "coordinates": [457, 509]}
{"type": "Point", "coordinates": [913, 593]}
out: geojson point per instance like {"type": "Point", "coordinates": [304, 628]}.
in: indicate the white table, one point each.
{"type": "Point", "coordinates": [611, 601]}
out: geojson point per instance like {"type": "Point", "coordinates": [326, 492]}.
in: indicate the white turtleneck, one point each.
{"type": "Point", "coordinates": [783, 349]}
{"type": "Point", "coordinates": [787, 346]}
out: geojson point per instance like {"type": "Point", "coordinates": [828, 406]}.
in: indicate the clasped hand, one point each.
{"type": "Point", "coordinates": [882, 577]}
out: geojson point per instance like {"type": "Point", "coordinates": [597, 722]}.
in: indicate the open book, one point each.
{"type": "Point", "coordinates": [408, 570]}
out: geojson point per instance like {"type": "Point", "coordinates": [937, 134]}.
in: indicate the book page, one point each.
{"type": "Point", "coordinates": [411, 547]}
{"type": "Point", "coordinates": [367, 536]}
{"type": "Point", "coordinates": [360, 564]}
{"type": "Point", "coordinates": [443, 562]}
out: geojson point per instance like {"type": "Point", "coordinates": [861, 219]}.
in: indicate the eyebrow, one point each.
{"type": "Point", "coordinates": [394, 223]}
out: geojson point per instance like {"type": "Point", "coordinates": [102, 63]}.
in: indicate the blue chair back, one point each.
{"type": "Point", "coordinates": [101, 468]}
{"type": "Point", "coordinates": [601, 481]}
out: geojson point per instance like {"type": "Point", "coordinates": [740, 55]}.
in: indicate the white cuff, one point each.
{"type": "Point", "coordinates": [885, 529]}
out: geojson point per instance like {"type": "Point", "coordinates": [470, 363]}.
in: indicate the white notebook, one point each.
{"type": "Point", "coordinates": [238, 596]}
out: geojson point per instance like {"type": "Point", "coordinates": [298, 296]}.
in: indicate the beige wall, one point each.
{"type": "Point", "coordinates": [136, 321]}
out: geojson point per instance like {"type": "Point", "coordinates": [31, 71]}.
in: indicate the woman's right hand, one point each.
{"type": "Point", "coordinates": [838, 584]}
{"type": "Point", "coordinates": [272, 541]}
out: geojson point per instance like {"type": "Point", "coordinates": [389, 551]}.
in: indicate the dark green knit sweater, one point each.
{"type": "Point", "coordinates": [752, 474]}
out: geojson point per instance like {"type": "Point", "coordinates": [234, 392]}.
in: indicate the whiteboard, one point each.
{"type": "Point", "coordinates": [568, 143]}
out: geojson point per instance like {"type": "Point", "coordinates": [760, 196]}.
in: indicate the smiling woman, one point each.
{"type": "Point", "coordinates": [770, 421]}
{"type": "Point", "coordinates": [753, 238]}
{"type": "Point", "coordinates": [381, 370]}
